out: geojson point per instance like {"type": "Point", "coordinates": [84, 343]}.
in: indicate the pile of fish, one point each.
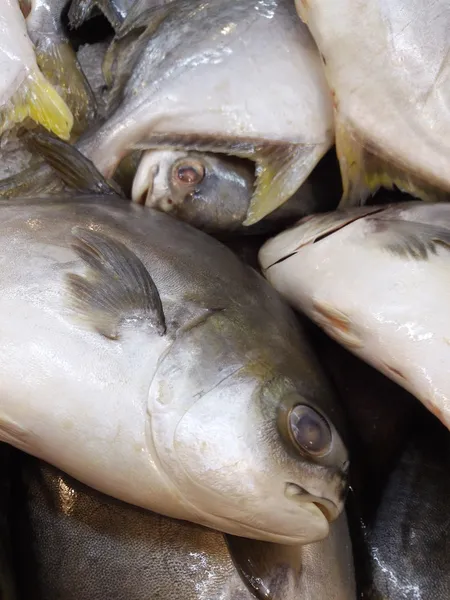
{"type": "Point", "coordinates": [224, 340]}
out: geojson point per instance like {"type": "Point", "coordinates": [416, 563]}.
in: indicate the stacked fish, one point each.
{"type": "Point", "coordinates": [206, 393]}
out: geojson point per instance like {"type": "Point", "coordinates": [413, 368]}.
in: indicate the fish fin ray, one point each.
{"type": "Point", "coordinates": [59, 64]}
{"type": "Point", "coordinates": [37, 99]}
{"type": "Point", "coordinates": [409, 239]}
{"type": "Point", "coordinates": [364, 172]}
{"type": "Point", "coordinates": [71, 166]}
{"type": "Point", "coordinates": [117, 288]}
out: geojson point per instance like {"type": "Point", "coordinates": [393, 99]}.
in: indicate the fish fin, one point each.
{"type": "Point", "coordinates": [38, 179]}
{"type": "Point", "coordinates": [59, 64]}
{"type": "Point", "coordinates": [72, 167]}
{"type": "Point", "coordinates": [117, 289]}
{"type": "Point", "coordinates": [281, 168]}
{"type": "Point", "coordinates": [364, 172]}
{"type": "Point", "coordinates": [38, 99]}
{"type": "Point", "coordinates": [270, 571]}
{"type": "Point", "coordinates": [408, 239]}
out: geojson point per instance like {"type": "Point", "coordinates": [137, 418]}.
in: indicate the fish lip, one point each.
{"type": "Point", "coordinates": [298, 494]}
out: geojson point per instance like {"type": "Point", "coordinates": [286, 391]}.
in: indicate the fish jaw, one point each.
{"type": "Point", "coordinates": [376, 305]}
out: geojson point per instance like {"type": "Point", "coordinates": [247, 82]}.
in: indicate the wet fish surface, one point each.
{"type": "Point", "coordinates": [388, 67]}
{"type": "Point", "coordinates": [214, 369]}
{"type": "Point", "coordinates": [85, 545]}
{"type": "Point", "coordinates": [375, 279]}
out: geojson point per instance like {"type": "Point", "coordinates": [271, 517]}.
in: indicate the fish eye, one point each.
{"type": "Point", "coordinates": [188, 172]}
{"type": "Point", "coordinates": [309, 430]}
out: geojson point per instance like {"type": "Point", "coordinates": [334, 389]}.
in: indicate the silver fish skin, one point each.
{"type": "Point", "coordinates": [87, 546]}
{"type": "Point", "coordinates": [251, 84]}
{"type": "Point", "coordinates": [57, 59]}
{"type": "Point", "coordinates": [203, 400]}
{"type": "Point", "coordinates": [387, 63]}
{"type": "Point", "coordinates": [375, 279]}
{"type": "Point", "coordinates": [114, 10]}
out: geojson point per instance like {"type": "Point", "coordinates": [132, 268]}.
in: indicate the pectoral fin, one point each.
{"type": "Point", "coordinates": [117, 289]}
{"type": "Point", "coordinates": [37, 99]}
{"type": "Point", "coordinates": [270, 571]}
{"type": "Point", "coordinates": [408, 239]}
{"type": "Point", "coordinates": [59, 64]}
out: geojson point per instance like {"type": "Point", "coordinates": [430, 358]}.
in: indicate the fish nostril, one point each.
{"type": "Point", "coordinates": [292, 490]}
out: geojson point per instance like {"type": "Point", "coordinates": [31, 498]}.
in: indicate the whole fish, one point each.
{"type": "Point", "coordinates": [189, 391]}
{"type": "Point", "coordinates": [77, 544]}
{"type": "Point", "coordinates": [24, 90]}
{"type": "Point", "coordinates": [408, 540]}
{"type": "Point", "coordinates": [57, 59]}
{"type": "Point", "coordinates": [213, 192]}
{"type": "Point", "coordinates": [250, 85]}
{"type": "Point", "coordinates": [375, 279]}
{"type": "Point", "coordinates": [388, 66]}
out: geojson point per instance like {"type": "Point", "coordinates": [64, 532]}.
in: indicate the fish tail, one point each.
{"type": "Point", "coordinates": [364, 172]}
{"type": "Point", "coordinates": [59, 64]}
{"type": "Point", "coordinates": [37, 99]}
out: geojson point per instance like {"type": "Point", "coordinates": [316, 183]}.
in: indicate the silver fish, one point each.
{"type": "Point", "coordinates": [114, 10]}
{"type": "Point", "coordinates": [250, 84]}
{"type": "Point", "coordinates": [189, 391]}
{"type": "Point", "coordinates": [86, 546]}
{"type": "Point", "coordinates": [57, 59]}
{"type": "Point", "coordinates": [213, 192]}
{"type": "Point", "coordinates": [375, 279]}
{"type": "Point", "coordinates": [388, 65]}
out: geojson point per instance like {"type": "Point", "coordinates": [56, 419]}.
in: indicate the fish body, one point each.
{"type": "Point", "coordinates": [198, 377]}
{"type": "Point", "coordinates": [57, 59]}
{"type": "Point", "coordinates": [408, 539]}
{"type": "Point", "coordinates": [375, 279]}
{"type": "Point", "coordinates": [24, 91]}
{"type": "Point", "coordinates": [388, 66]}
{"type": "Point", "coordinates": [114, 10]}
{"type": "Point", "coordinates": [87, 546]}
{"type": "Point", "coordinates": [249, 85]}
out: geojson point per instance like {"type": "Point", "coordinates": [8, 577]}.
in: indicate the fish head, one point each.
{"type": "Point", "coordinates": [255, 457]}
{"type": "Point", "coordinates": [211, 192]}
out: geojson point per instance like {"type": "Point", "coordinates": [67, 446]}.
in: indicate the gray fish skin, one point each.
{"type": "Point", "coordinates": [87, 546]}
{"type": "Point", "coordinates": [408, 541]}
{"type": "Point", "coordinates": [251, 84]}
{"type": "Point", "coordinates": [191, 424]}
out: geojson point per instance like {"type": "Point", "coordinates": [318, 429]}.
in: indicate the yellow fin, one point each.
{"type": "Point", "coordinates": [59, 65]}
{"type": "Point", "coordinates": [364, 171]}
{"type": "Point", "coordinates": [37, 98]}
{"type": "Point", "coordinates": [280, 171]}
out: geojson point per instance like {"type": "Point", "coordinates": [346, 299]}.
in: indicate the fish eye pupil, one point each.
{"type": "Point", "coordinates": [309, 430]}
{"type": "Point", "coordinates": [190, 174]}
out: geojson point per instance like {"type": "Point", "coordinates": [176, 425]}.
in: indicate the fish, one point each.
{"type": "Point", "coordinates": [408, 539]}
{"type": "Point", "coordinates": [374, 278]}
{"type": "Point", "coordinates": [74, 543]}
{"type": "Point", "coordinates": [388, 68]}
{"type": "Point", "coordinates": [250, 85]}
{"type": "Point", "coordinates": [213, 192]}
{"type": "Point", "coordinates": [189, 391]}
{"type": "Point", "coordinates": [24, 90]}
{"type": "Point", "coordinates": [57, 60]}
{"type": "Point", "coordinates": [8, 590]}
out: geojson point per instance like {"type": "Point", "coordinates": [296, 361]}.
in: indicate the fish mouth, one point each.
{"type": "Point", "coordinates": [310, 230]}
{"type": "Point", "coordinates": [299, 495]}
